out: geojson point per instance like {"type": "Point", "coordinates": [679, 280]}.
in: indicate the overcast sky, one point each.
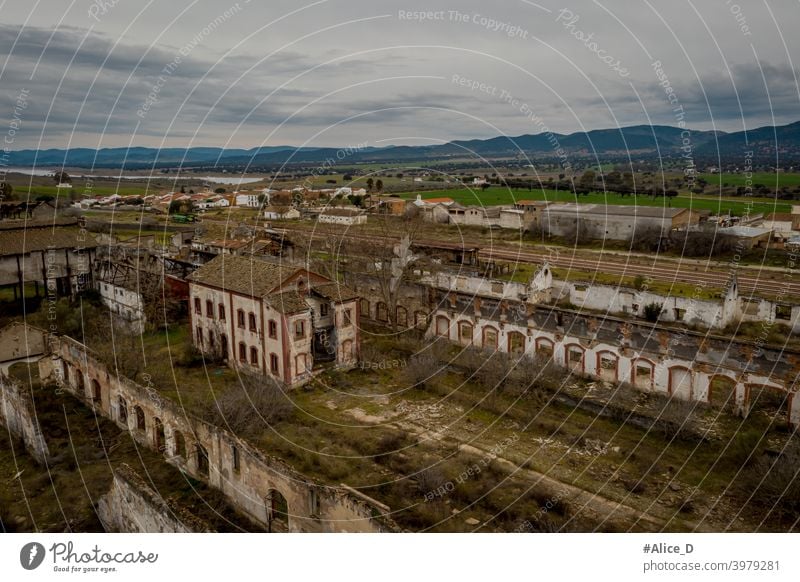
{"type": "Point", "coordinates": [112, 73]}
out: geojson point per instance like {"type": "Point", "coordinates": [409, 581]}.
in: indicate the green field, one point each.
{"type": "Point", "coordinates": [497, 196]}
{"type": "Point", "coordinates": [768, 179]}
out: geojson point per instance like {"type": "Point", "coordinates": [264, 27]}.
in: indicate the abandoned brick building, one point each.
{"type": "Point", "coordinates": [272, 319]}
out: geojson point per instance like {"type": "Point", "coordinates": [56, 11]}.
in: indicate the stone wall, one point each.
{"type": "Point", "coordinates": [717, 313]}
{"type": "Point", "coordinates": [18, 415]}
{"type": "Point", "coordinates": [132, 506]}
{"type": "Point", "coordinates": [692, 310]}
{"type": "Point", "coordinates": [257, 484]}
{"type": "Point", "coordinates": [674, 361]}
{"type": "Point", "coordinates": [413, 302]}
{"type": "Point", "coordinates": [20, 342]}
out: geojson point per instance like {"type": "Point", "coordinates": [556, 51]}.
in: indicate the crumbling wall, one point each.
{"type": "Point", "coordinates": [18, 415]}
{"type": "Point", "coordinates": [20, 342]}
{"type": "Point", "coordinates": [261, 486]}
{"type": "Point", "coordinates": [413, 302]}
{"type": "Point", "coordinates": [680, 362]}
{"type": "Point", "coordinates": [132, 506]}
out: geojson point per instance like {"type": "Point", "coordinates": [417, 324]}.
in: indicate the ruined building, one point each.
{"type": "Point", "coordinates": [272, 319]}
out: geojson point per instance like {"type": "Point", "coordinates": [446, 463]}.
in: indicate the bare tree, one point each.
{"type": "Point", "coordinates": [422, 369]}
{"type": "Point", "coordinates": [392, 264]}
{"type": "Point", "coordinates": [248, 408]}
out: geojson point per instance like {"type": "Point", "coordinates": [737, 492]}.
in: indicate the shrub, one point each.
{"type": "Point", "coordinates": [774, 481]}
{"type": "Point", "coordinates": [677, 417]}
{"type": "Point", "coordinates": [422, 370]}
{"type": "Point", "coordinates": [744, 448]}
{"type": "Point", "coordinates": [247, 408]}
{"type": "Point", "coordinates": [430, 479]}
{"type": "Point", "coordinates": [652, 311]}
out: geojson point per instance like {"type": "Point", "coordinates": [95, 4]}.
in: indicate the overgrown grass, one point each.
{"type": "Point", "coordinates": [85, 448]}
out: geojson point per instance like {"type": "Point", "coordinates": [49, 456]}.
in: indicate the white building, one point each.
{"type": "Point", "coordinates": [281, 213]}
{"type": "Point", "coordinates": [121, 291]}
{"type": "Point", "coordinates": [205, 202]}
{"type": "Point", "coordinates": [444, 201]}
{"type": "Point", "coordinates": [348, 191]}
{"type": "Point", "coordinates": [346, 216]}
{"type": "Point", "coordinates": [247, 199]}
{"type": "Point", "coordinates": [271, 319]}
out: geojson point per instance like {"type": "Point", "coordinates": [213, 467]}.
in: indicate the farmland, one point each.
{"type": "Point", "coordinates": [768, 179]}
{"type": "Point", "coordinates": [497, 196]}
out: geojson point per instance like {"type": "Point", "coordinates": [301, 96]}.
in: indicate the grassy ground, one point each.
{"type": "Point", "coordinates": [85, 449]}
{"type": "Point", "coordinates": [181, 374]}
{"type": "Point", "coordinates": [162, 238]}
{"type": "Point", "coordinates": [7, 293]}
{"type": "Point", "coordinates": [397, 439]}
{"type": "Point", "coordinates": [498, 196]}
{"type": "Point", "coordinates": [372, 429]}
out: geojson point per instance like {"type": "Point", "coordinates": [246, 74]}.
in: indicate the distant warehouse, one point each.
{"type": "Point", "coordinates": [605, 221]}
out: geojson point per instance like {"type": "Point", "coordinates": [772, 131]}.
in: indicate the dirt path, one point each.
{"type": "Point", "coordinates": [596, 508]}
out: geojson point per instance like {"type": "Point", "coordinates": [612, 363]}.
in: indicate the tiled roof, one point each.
{"type": "Point", "coordinates": [20, 224]}
{"type": "Point", "coordinates": [442, 200]}
{"type": "Point", "coordinates": [335, 291]}
{"type": "Point", "coordinates": [227, 244]}
{"type": "Point", "coordinates": [744, 231]}
{"type": "Point", "coordinates": [246, 275]}
{"type": "Point", "coordinates": [288, 302]}
{"type": "Point", "coordinates": [779, 217]}
{"type": "Point", "coordinates": [16, 242]}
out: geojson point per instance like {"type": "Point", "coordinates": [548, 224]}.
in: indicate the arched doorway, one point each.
{"type": "Point", "coordinates": [122, 411]}
{"type": "Point", "coordinates": [159, 438]}
{"type": "Point", "coordinates": [574, 358]}
{"type": "Point", "coordinates": [722, 392]}
{"type": "Point", "coordinates": [489, 338]}
{"type": "Point", "coordinates": [138, 415]}
{"type": "Point", "coordinates": [643, 373]}
{"type": "Point", "coordinates": [224, 347]}
{"type": "Point", "coordinates": [382, 312]}
{"type": "Point", "coordinates": [442, 326]}
{"type": "Point", "coordinates": [201, 455]}
{"type": "Point", "coordinates": [465, 333]}
{"type": "Point", "coordinates": [180, 444]}
{"type": "Point", "coordinates": [97, 394]}
{"type": "Point", "coordinates": [401, 316]}
{"type": "Point", "coordinates": [607, 366]}
{"type": "Point", "coordinates": [277, 512]}
{"type": "Point", "coordinates": [544, 349]}
{"type": "Point", "coordinates": [680, 382]}
{"type": "Point", "coordinates": [516, 343]}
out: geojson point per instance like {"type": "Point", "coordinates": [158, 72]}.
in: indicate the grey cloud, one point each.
{"type": "Point", "coordinates": [223, 91]}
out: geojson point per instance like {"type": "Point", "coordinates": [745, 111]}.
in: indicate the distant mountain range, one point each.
{"type": "Point", "coordinates": [639, 142]}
